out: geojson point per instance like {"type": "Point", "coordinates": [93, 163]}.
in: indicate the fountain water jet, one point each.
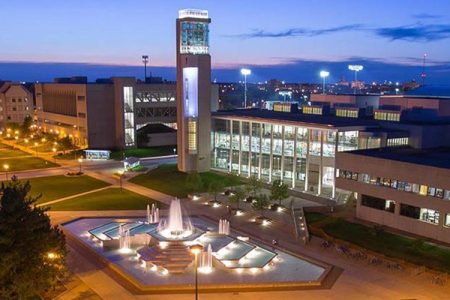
{"type": "Point", "coordinates": [152, 214]}
{"type": "Point", "coordinates": [175, 227]}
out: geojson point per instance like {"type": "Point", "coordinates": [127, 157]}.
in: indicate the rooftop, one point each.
{"type": "Point", "coordinates": [436, 157]}
{"type": "Point", "coordinates": [321, 120]}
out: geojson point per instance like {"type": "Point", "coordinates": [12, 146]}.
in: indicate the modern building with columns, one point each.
{"type": "Point", "coordinates": [299, 149]}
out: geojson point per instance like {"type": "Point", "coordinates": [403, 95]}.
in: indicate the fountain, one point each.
{"type": "Point", "coordinates": [152, 214]}
{"type": "Point", "coordinates": [124, 239]}
{"type": "Point", "coordinates": [175, 227]}
{"type": "Point", "coordinates": [224, 227]}
{"type": "Point", "coordinates": [206, 260]}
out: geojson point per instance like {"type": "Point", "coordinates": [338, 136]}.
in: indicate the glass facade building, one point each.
{"type": "Point", "coordinates": [301, 155]}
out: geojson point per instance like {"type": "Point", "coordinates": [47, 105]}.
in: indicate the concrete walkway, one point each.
{"type": "Point", "coordinates": [75, 196]}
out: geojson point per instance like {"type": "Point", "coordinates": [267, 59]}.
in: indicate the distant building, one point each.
{"type": "Point", "coordinates": [16, 103]}
{"type": "Point", "coordinates": [103, 115]}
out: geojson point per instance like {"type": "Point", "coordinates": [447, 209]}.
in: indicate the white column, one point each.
{"type": "Point", "coordinates": [333, 191]}
{"type": "Point", "coordinates": [250, 149]}
{"type": "Point", "coordinates": [240, 146]}
{"type": "Point", "coordinates": [294, 164]}
{"type": "Point", "coordinates": [308, 135]}
{"type": "Point", "coordinates": [230, 168]}
{"type": "Point", "coordinates": [319, 186]}
{"type": "Point", "coordinates": [282, 153]}
{"type": "Point", "coordinates": [271, 153]}
{"type": "Point", "coordinates": [260, 150]}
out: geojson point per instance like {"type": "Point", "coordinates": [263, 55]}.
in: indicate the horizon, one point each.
{"type": "Point", "coordinates": [286, 40]}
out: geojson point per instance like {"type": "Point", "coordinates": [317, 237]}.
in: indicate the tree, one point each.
{"type": "Point", "coordinates": [260, 203]}
{"type": "Point", "coordinates": [27, 122]}
{"type": "Point", "coordinates": [194, 182]}
{"type": "Point", "coordinates": [215, 187]}
{"type": "Point", "coordinates": [279, 191]}
{"type": "Point", "coordinates": [254, 186]}
{"type": "Point", "coordinates": [237, 196]}
{"type": "Point", "coordinates": [32, 250]}
{"type": "Point", "coordinates": [65, 144]}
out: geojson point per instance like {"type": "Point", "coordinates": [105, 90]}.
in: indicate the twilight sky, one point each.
{"type": "Point", "coordinates": [289, 39]}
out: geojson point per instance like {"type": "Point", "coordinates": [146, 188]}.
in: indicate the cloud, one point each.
{"type": "Point", "coordinates": [415, 33]}
{"type": "Point", "coordinates": [426, 16]}
{"type": "Point", "coordinates": [294, 32]}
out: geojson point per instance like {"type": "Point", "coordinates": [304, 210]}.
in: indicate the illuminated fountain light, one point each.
{"type": "Point", "coordinates": [206, 260]}
{"type": "Point", "coordinates": [152, 214]}
{"type": "Point", "coordinates": [239, 270]}
{"type": "Point", "coordinates": [163, 245]}
{"type": "Point", "coordinates": [195, 198]}
{"type": "Point", "coordinates": [143, 264]}
{"type": "Point", "coordinates": [216, 205]}
{"type": "Point", "coordinates": [124, 240]}
{"type": "Point", "coordinates": [243, 238]}
{"type": "Point", "coordinates": [164, 272]}
{"type": "Point", "coordinates": [239, 213]}
{"type": "Point", "coordinates": [265, 223]}
{"type": "Point", "coordinates": [154, 268]}
{"type": "Point", "coordinates": [224, 227]}
{"type": "Point", "coordinates": [174, 227]}
{"type": "Point", "coordinates": [266, 267]}
{"type": "Point", "coordinates": [254, 270]}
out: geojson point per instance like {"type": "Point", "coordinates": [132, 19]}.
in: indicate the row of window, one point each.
{"type": "Point", "coordinates": [349, 113]}
{"type": "Point", "coordinates": [419, 213]}
{"type": "Point", "coordinates": [19, 100]}
{"type": "Point", "coordinates": [311, 110]}
{"type": "Point", "coordinates": [387, 116]}
{"type": "Point", "coordinates": [397, 142]}
{"type": "Point", "coordinates": [415, 188]}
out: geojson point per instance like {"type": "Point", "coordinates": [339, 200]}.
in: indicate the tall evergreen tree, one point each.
{"type": "Point", "coordinates": [32, 251]}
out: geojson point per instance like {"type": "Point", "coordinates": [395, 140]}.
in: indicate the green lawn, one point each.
{"type": "Point", "coordinates": [413, 250]}
{"type": "Point", "coordinates": [109, 199]}
{"type": "Point", "coordinates": [144, 152]}
{"type": "Point", "coordinates": [167, 179]}
{"type": "Point", "coordinates": [27, 163]}
{"type": "Point", "coordinates": [8, 152]}
{"type": "Point", "coordinates": [55, 187]}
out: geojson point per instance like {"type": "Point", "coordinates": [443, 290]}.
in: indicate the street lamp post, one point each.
{"type": "Point", "coordinates": [245, 72]}
{"type": "Point", "coordinates": [54, 154]}
{"type": "Point", "coordinates": [145, 61]}
{"type": "Point", "coordinates": [196, 250]}
{"type": "Point", "coordinates": [324, 75]}
{"type": "Point", "coordinates": [356, 69]}
{"type": "Point", "coordinates": [6, 168]}
{"type": "Point", "coordinates": [80, 160]}
{"type": "Point", "coordinates": [36, 148]}
{"type": "Point", "coordinates": [121, 172]}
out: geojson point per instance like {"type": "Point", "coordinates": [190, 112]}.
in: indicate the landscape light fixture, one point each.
{"type": "Point", "coordinates": [356, 69]}
{"type": "Point", "coordinates": [245, 72]}
{"type": "Point", "coordinates": [324, 75]}
{"type": "Point", "coordinates": [196, 250]}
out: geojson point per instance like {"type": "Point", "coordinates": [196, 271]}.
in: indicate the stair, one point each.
{"type": "Point", "coordinates": [175, 258]}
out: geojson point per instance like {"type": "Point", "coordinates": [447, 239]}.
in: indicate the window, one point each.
{"type": "Point", "coordinates": [409, 211]}
{"type": "Point", "coordinates": [431, 191]}
{"type": "Point", "coordinates": [447, 220]}
{"type": "Point", "coordinates": [423, 190]}
{"type": "Point", "coordinates": [192, 135]}
{"type": "Point", "coordinates": [439, 193]}
{"type": "Point", "coordinates": [373, 202]}
{"type": "Point", "coordinates": [81, 115]}
{"type": "Point", "coordinates": [390, 206]}
{"type": "Point", "coordinates": [447, 195]}
{"type": "Point", "coordinates": [81, 98]}
{"type": "Point", "coordinates": [429, 215]}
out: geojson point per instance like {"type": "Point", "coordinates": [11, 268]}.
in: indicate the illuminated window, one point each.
{"type": "Point", "coordinates": [192, 135]}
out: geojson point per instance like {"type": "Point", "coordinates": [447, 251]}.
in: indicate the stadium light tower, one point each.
{"type": "Point", "coordinates": [145, 61]}
{"type": "Point", "coordinates": [245, 72]}
{"type": "Point", "coordinates": [356, 69]}
{"type": "Point", "coordinates": [324, 75]}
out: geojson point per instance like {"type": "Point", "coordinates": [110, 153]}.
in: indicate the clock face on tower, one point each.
{"type": "Point", "coordinates": [194, 37]}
